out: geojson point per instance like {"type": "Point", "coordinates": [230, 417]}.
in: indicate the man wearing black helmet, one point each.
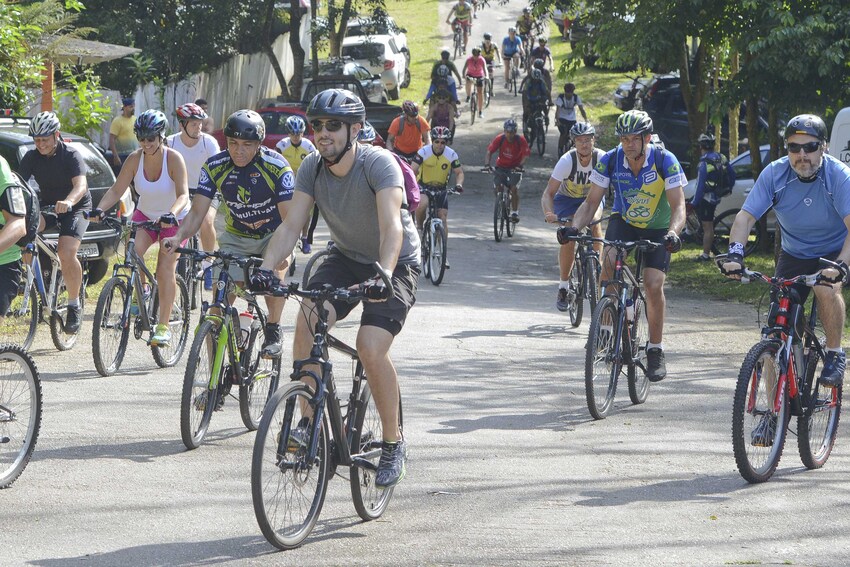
{"type": "Point", "coordinates": [360, 192]}
{"type": "Point", "coordinates": [649, 203]}
{"type": "Point", "coordinates": [809, 191]}
{"type": "Point", "coordinates": [255, 185]}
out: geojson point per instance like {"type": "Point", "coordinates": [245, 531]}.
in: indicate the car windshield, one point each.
{"type": "Point", "coordinates": [364, 52]}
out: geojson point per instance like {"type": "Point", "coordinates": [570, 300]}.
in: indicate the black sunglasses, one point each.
{"type": "Point", "coordinates": [329, 125]}
{"type": "Point", "coordinates": [810, 147]}
{"type": "Point", "coordinates": [148, 139]}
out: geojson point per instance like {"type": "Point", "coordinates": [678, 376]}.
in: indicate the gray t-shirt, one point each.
{"type": "Point", "coordinates": [349, 207]}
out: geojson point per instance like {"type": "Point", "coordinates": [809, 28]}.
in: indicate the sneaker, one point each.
{"type": "Point", "coordinates": [467, 99]}
{"type": "Point", "coordinates": [514, 217]}
{"type": "Point", "coordinates": [703, 258]}
{"type": "Point", "coordinates": [208, 279]}
{"type": "Point", "coordinates": [764, 432]}
{"type": "Point", "coordinates": [480, 115]}
{"type": "Point", "coordinates": [271, 346]}
{"type": "Point", "coordinates": [833, 369]}
{"type": "Point", "coordinates": [305, 245]}
{"type": "Point", "coordinates": [391, 466]}
{"type": "Point", "coordinates": [562, 302]}
{"type": "Point", "coordinates": [656, 370]}
{"type": "Point", "coordinates": [161, 336]}
{"type": "Point", "coordinates": [72, 321]}
{"type": "Point", "coordinates": [507, 85]}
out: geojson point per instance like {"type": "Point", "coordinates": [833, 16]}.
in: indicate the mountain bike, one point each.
{"type": "Point", "coordinates": [565, 143]}
{"type": "Point", "coordinates": [780, 377]}
{"type": "Point", "coordinates": [42, 285]}
{"type": "Point", "coordinates": [20, 411]}
{"type": "Point", "coordinates": [488, 85]}
{"type": "Point", "coordinates": [434, 237]}
{"type": "Point", "coordinates": [473, 97]}
{"type": "Point", "coordinates": [619, 331]}
{"type": "Point", "coordinates": [537, 129]}
{"type": "Point", "coordinates": [307, 431]}
{"type": "Point", "coordinates": [457, 40]}
{"type": "Point", "coordinates": [514, 74]}
{"type": "Point", "coordinates": [584, 277]}
{"type": "Point", "coordinates": [502, 209]}
{"type": "Point", "coordinates": [225, 353]}
{"type": "Point", "coordinates": [126, 302]}
{"type": "Point", "coordinates": [192, 273]}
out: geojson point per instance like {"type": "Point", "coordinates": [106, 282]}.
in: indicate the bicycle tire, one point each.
{"type": "Point", "coordinates": [498, 218]}
{"type": "Point", "coordinates": [21, 322]}
{"type": "Point", "coordinates": [108, 325]}
{"type": "Point", "coordinates": [263, 377]}
{"type": "Point", "coordinates": [635, 369]}
{"type": "Point", "coordinates": [541, 139]}
{"type": "Point", "coordinates": [575, 307]}
{"type": "Point", "coordinates": [758, 463]}
{"type": "Point", "coordinates": [178, 324]}
{"type": "Point", "coordinates": [591, 282]}
{"type": "Point", "coordinates": [439, 245]}
{"type": "Point", "coordinates": [488, 92]}
{"type": "Point", "coordinates": [20, 408]}
{"type": "Point", "coordinates": [198, 400]}
{"type": "Point", "coordinates": [425, 239]}
{"type": "Point", "coordinates": [283, 473]}
{"type": "Point", "coordinates": [510, 226]}
{"type": "Point", "coordinates": [366, 440]}
{"type": "Point", "coordinates": [722, 229]}
{"type": "Point", "coordinates": [602, 366]}
{"type": "Point", "coordinates": [62, 340]}
{"type": "Point", "coordinates": [473, 106]}
{"type": "Point", "coordinates": [817, 426]}
{"type": "Point", "coordinates": [312, 265]}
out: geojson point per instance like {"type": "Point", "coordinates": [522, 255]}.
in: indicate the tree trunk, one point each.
{"type": "Point", "coordinates": [735, 112]}
{"type": "Point", "coordinates": [314, 48]}
{"type": "Point", "coordinates": [268, 49]}
{"type": "Point", "coordinates": [295, 15]}
{"type": "Point", "coordinates": [338, 20]}
{"type": "Point", "coordinates": [773, 136]}
{"type": "Point", "coordinates": [754, 144]}
{"type": "Point", "coordinates": [694, 92]}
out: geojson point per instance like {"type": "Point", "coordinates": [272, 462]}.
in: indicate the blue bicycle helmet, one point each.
{"type": "Point", "coordinates": [510, 125]}
{"type": "Point", "coordinates": [295, 125]}
{"type": "Point", "coordinates": [367, 134]}
{"type": "Point", "coordinates": [150, 123]}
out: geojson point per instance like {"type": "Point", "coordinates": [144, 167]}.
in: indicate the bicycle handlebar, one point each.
{"type": "Point", "coordinates": [643, 244]}
{"type": "Point", "coordinates": [809, 280]}
{"type": "Point", "coordinates": [329, 293]}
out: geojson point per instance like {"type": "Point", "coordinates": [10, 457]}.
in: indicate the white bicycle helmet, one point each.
{"type": "Point", "coordinates": [44, 124]}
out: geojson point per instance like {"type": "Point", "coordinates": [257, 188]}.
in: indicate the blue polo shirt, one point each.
{"type": "Point", "coordinates": [810, 214]}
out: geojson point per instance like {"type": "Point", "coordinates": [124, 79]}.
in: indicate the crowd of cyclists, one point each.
{"type": "Point", "coordinates": [273, 199]}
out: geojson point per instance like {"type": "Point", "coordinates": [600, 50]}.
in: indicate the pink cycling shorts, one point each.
{"type": "Point", "coordinates": [139, 216]}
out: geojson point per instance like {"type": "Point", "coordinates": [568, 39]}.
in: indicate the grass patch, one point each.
{"type": "Point", "coordinates": [424, 39]}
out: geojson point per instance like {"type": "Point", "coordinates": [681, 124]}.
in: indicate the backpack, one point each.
{"type": "Point", "coordinates": [574, 155]}
{"type": "Point", "coordinates": [402, 121]}
{"type": "Point", "coordinates": [411, 186]}
{"type": "Point", "coordinates": [724, 182]}
{"type": "Point", "coordinates": [33, 212]}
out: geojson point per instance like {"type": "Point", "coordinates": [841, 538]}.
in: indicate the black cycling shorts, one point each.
{"type": "Point", "coordinates": [705, 211]}
{"type": "Point", "coordinates": [340, 271]}
{"type": "Point", "coordinates": [10, 278]}
{"type": "Point", "coordinates": [72, 223]}
{"type": "Point", "coordinates": [618, 229]}
{"type": "Point", "coordinates": [441, 199]}
{"type": "Point", "coordinates": [789, 266]}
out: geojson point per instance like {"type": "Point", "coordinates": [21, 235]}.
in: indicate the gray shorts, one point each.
{"type": "Point", "coordinates": [233, 244]}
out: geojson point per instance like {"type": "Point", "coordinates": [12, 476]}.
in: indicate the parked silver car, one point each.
{"type": "Point", "coordinates": [373, 84]}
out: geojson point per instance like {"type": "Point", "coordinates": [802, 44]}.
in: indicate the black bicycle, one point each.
{"type": "Point", "coordinates": [307, 431]}
{"type": "Point", "coordinates": [435, 239]}
{"type": "Point", "coordinates": [584, 277]}
{"type": "Point", "coordinates": [537, 129]}
{"type": "Point", "coordinates": [619, 331]}
{"type": "Point", "coordinates": [20, 411]}
{"type": "Point", "coordinates": [780, 377]}
{"type": "Point", "coordinates": [502, 209]}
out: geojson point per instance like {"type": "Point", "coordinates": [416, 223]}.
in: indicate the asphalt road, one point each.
{"type": "Point", "coordinates": [506, 466]}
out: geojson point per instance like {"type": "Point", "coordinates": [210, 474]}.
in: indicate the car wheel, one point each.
{"type": "Point", "coordinates": [406, 82]}
{"type": "Point", "coordinates": [97, 270]}
{"type": "Point", "coordinates": [406, 56]}
{"type": "Point", "coordinates": [394, 93]}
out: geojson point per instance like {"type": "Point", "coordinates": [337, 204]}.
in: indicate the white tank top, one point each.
{"type": "Point", "coordinates": [156, 197]}
{"type": "Point", "coordinates": [196, 156]}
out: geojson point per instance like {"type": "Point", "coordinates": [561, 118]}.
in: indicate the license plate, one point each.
{"type": "Point", "coordinates": [88, 251]}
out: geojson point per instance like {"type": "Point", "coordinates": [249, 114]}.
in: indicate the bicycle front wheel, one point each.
{"type": "Point", "coordinates": [21, 322]}
{"type": "Point", "coordinates": [498, 218]}
{"type": "Point", "coordinates": [817, 427]}
{"type": "Point", "coordinates": [575, 307]}
{"type": "Point", "coordinates": [723, 228]}
{"type": "Point", "coordinates": [61, 339]}
{"type": "Point", "coordinates": [425, 239]}
{"type": "Point", "coordinates": [20, 411]}
{"type": "Point", "coordinates": [263, 375]}
{"type": "Point", "coordinates": [437, 259]}
{"type": "Point", "coordinates": [287, 485]}
{"type": "Point", "coordinates": [636, 370]}
{"type": "Point", "coordinates": [758, 427]}
{"type": "Point", "coordinates": [602, 365]}
{"type": "Point", "coordinates": [367, 435]}
{"type": "Point", "coordinates": [473, 107]}
{"type": "Point", "coordinates": [541, 139]}
{"type": "Point", "coordinates": [178, 324]}
{"type": "Point", "coordinates": [510, 227]}
{"type": "Point", "coordinates": [200, 387]}
{"type": "Point", "coordinates": [591, 283]}
{"type": "Point", "coordinates": [109, 333]}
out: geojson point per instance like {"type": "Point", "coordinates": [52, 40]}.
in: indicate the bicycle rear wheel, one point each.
{"type": "Point", "coordinates": [200, 396]}
{"type": "Point", "coordinates": [287, 487]}
{"type": "Point", "coordinates": [602, 365]}
{"type": "Point", "coordinates": [178, 324]}
{"type": "Point", "coordinates": [498, 218]}
{"type": "Point", "coordinates": [758, 430]}
{"type": "Point", "coordinates": [109, 333]}
{"type": "Point", "coordinates": [20, 411]}
{"type": "Point", "coordinates": [575, 307]}
{"type": "Point", "coordinates": [263, 379]}
{"type": "Point", "coordinates": [510, 227]}
{"type": "Point", "coordinates": [636, 368]}
{"type": "Point", "coordinates": [437, 258]}
{"type": "Point", "coordinates": [541, 138]}
{"type": "Point", "coordinates": [21, 322]}
{"type": "Point", "coordinates": [722, 229]}
{"type": "Point", "coordinates": [473, 106]}
{"type": "Point", "coordinates": [313, 264]}
{"type": "Point", "coordinates": [61, 339]}
{"type": "Point", "coordinates": [817, 427]}
{"type": "Point", "coordinates": [367, 435]}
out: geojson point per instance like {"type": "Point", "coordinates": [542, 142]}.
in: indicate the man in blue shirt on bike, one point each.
{"type": "Point", "coordinates": [809, 191]}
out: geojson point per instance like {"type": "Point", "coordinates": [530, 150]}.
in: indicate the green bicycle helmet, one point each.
{"type": "Point", "coordinates": [633, 122]}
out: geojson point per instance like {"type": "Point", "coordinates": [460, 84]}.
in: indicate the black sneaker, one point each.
{"type": "Point", "coordinates": [833, 369]}
{"type": "Point", "coordinates": [391, 466]}
{"type": "Point", "coordinates": [72, 320]}
{"type": "Point", "coordinates": [703, 258]}
{"type": "Point", "coordinates": [271, 346]}
{"type": "Point", "coordinates": [656, 370]}
{"type": "Point", "coordinates": [514, 217]}
{"type": "Point", "coordinates": [562, 302]}
{"type": "Point", "coordinates": [764, 433]}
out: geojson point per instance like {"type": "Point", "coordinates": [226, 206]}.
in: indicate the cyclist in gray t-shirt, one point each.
{"type": "Point", "coordinates": [359, 191]}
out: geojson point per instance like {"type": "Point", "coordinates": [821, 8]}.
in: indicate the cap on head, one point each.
{"type": "Point", "coordinates": [128, 101]}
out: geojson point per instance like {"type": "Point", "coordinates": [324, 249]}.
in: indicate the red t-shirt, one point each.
{"type": "Point", "coordinates": [510, 153]}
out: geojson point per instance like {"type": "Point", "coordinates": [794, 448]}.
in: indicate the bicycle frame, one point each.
{"type": "Point", "coordinates": [135, 263]}
{"type": "Point", "coordinates": [35, 276]}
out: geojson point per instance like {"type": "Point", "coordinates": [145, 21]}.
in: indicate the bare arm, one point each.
{"type": "Point", "coordinates": [192, 223]}
{"type": "Point", "coordinates": [547, 201]}
{"type": "Point", "coordinates": [740, 231]}
{"type": "Point", "coordinates": [389, 223]}
{"type": "Point", "coordinates": [122, 183]}
{"type": "Point", "coordinates": [79, 186]}
{"type": "Point", "coordinates": [114, 149]}
{"type": "Point", "coordinates": [585, 212]}
{"type": "Point", "coordinates": [14, 229]}
{"type": "Point", "coordinates": [459, 176]}
{"type": "Point", "coordinates": [298, 210]}
{"type": "Point", "coordinates": [390, 141]}
{"type": "Point", "coordinates": [583, 113]}
{"type": "Point", "coordinates": [676, 198]}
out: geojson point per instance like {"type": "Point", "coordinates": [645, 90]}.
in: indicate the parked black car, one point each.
{"type": "Point", "coordinates": [101, 241]}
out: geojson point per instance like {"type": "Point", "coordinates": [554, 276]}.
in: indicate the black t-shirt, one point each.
{"type": "Point", "coordinates": [53, 174]}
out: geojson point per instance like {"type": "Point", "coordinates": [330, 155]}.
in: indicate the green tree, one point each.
{"type": "Point", "coordinates": [88, 109]}
{"type": "Point", "coordinates": [20, 64]}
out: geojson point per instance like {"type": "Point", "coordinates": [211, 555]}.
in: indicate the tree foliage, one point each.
{"type": "Point", "coordinates": [20, 64]}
